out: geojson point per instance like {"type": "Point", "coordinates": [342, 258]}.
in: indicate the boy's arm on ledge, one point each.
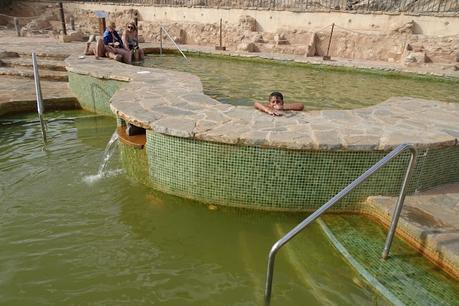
{"type": "Point", "coordinates": [294, 106]}
{"type": "Point", "coordinates": [266, 109]}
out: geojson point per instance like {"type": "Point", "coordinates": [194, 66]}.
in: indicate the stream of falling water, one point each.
{"type": "Point", "coordinates": [108, 153]}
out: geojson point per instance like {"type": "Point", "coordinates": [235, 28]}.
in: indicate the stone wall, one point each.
{"type": "Point", "coordinates": [406, 39]}
{"type": "Point", "coordinates": [395, 46]}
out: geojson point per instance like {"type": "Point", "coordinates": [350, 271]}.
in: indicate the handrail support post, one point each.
{"type": "Point", "coordinates": [399, 205]}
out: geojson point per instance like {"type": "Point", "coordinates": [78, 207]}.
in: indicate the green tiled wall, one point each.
{"type": "Point", "coordinates": [134, 162]}
{"type": "Point", "coordinates": [94, 94]}
{"type": "Point", "coordinates": [282, 179]}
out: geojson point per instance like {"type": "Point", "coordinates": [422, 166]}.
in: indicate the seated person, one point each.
{"type": "Point", "coordinates": [110, 46]}
{"type": "Point", "coordinates": [276, 106]}
{"type": "Point", "coordinates": [131, 41]}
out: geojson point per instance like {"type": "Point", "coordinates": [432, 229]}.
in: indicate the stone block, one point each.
{"type": "Point", "coordinates": [71, 36]}
{"type": "Point", "coordinates": [247, 22]}
{"type": "Point", "coordinates": [415, 58]}
{"type": "Point", "coordinates": [312, 45]}
{"type": "Point", "coordinates": [248, 47]}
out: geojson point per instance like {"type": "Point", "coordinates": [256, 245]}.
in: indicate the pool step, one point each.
{"type": "Point", "coordinates": [46, 64]}
{"type": "Point", "coordinates": [407, 275]}
{"type": "Point", "coordinates": [28, 73]}
{"type": "Point", "coordinates": [18, 95]}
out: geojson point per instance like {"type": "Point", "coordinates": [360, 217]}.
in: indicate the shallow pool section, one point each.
{"type": "Point", "coordinates": [244, 81]}
{"type": "Point", "coordinates": [406, 274]}
{"type": "Point", "coordinates": [70, 240]}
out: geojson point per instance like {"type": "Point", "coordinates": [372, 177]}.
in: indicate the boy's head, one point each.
{"type": "Point", "coordinates": [276, 100]}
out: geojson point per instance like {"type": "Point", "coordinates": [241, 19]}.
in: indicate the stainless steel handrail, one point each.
{"type": "Point", "coordinates": [398, 208]}
{"type": "Point", "coordinates": [161, 29]}
{"type": "Point", "coordinates": [40, 108]}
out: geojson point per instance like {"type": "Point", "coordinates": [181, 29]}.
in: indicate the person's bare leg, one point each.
{"type": "Point", "coordinates": [126, 54]}
{"type": "Point", "coordinates": [141, 54]}
{"type": "Point", "coordinates": [87, 50]}
{"type": "Point", "coordinates": [100, 48]}
{"type": "Point", "coordinates": [116, 57]}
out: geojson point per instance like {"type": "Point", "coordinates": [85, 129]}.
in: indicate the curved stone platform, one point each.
{"type": "Point", "coordinates": [173, 103]}
{"type": "Point", "coordinates": [199, 148]}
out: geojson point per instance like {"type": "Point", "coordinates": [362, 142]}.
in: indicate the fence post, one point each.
{"type": "Point", "coordinates": [220, 47]}
{"type": "Point", "coordinates": [61, 11]}
{"type": "Point", "coordinates": [160, 40]}
{"type": "Point", "coordinates": [327, 57]}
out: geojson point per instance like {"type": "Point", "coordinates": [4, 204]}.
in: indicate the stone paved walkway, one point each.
{"type": "Point", "coordinates": [49, 46]}
{"type": "Point", "coordinates": [430, 222]}
{"type": "Point", "coordinates": [17, 87]}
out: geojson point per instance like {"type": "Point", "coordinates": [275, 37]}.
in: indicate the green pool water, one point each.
{"type": "Point", "coordinates": [242, 82]}
{"type": "Point", "coordinates": [67, 240]}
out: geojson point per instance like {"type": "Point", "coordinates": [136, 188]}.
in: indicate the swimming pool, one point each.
{"type": "Point", "coordinates": [68, 239]}
{"type": "Point", "coordinates": [244, 81]}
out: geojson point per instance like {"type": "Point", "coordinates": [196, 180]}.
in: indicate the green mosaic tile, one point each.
{"type": "Point", "coordinates": [406, 274]}
{"type": "Point", "coordinates": [440, 167]}
{"type": "Point", "coordinates": [94, 94]}
{"type": "Point", "coordinates": [279, 179]}
{"type": "Point", "coordinates": [135, 162]}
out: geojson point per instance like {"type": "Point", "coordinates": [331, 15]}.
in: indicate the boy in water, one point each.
{"type": "Point", "coordinates": [276, 106]}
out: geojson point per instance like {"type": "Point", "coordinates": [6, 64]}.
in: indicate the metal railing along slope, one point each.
{"type": "Point", "coordinates": [161, 29]}
{"type": "Point", "coordinates": [40, 108]}
{"type": "Point", "coordinates": [398, 208]}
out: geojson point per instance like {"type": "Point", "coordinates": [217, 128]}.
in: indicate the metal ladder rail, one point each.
{"type": "Point", "coordinates": [38, 93]}
{"type": "Point", "coordinates": [398, 208]}
{"type": "Point", "coordinates": [161, 29]}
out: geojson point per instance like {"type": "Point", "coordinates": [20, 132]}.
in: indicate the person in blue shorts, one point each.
{"type": "Point", "coordinates": [111, 46]}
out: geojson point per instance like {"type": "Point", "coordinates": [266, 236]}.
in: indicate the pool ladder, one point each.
{"type": "Point", "coordinates": [39, 95]}
{"type": "Point", "coordinates": [398, 208]}
{"type": "Point", "coordinates": [161, 30]}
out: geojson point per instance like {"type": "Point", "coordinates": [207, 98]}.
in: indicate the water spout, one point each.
{"type": "Point", "coordinates": [108, 153]}
{"type": "Point", "coordinates": [109, 150]}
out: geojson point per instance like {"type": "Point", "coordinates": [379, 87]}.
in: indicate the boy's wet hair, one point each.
{"type": "Point", "coordinates": [277, 95]}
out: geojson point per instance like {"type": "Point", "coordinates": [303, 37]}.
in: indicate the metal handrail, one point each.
{"type": "Point", "coordinates": [398, 208]}
{"type": "Point", "coordinates": [40, 108]}
{"type": "Point", "coordinates": [161, 29]}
